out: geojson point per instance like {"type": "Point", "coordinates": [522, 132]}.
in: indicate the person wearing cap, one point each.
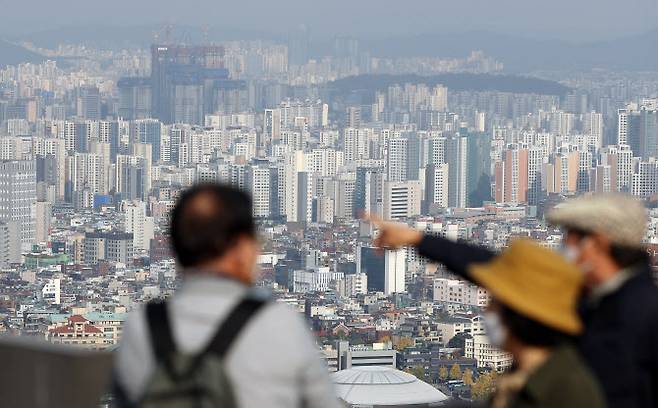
{"type": "Point", "coordinates": [619, 301]}
{"type": "Point", "coordinates": [603, 236]}
{"type": "Point", "coordinates": [533, 316]}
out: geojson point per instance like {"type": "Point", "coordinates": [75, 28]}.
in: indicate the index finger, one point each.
{"type": "Point", "coordinates": [373, 219]}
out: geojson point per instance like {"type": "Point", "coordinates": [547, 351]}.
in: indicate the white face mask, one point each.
{"type": "Point", "coordinates": [571, 253]}
{"type": "Point", "coordinates": [496, 330]}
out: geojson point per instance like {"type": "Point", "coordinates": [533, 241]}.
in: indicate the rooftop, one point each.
{"type": "Point", "coordinates": [384, 387]}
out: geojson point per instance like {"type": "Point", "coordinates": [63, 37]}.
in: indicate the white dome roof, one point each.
{"type": "Point", "coordinates": [384, 386]}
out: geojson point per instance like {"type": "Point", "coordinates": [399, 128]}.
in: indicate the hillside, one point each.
{"type": "Point", "coordinates": [11, 54]}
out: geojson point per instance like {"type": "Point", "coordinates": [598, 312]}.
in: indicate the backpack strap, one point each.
{"type": "Point", "coordinates": [233, 324]}
{"type": "Point", "coordinates": [160, 330]}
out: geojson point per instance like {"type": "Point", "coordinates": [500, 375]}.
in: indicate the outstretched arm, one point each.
{"type": "Point", "coordinates": [456, 256]}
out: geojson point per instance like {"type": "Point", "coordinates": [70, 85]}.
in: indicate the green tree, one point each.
{"type": "Point", "coordinates": [455, 372]}
{"type": "Point", "coordinates": [467, 377]}
{"type": "Point", "coordinates": [418, 371]}
{"type": "Point", "coordinates": [443, 373]}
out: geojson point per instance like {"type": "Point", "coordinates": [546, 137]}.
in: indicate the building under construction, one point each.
{"type": "Point", "coordinates": [188, 82]}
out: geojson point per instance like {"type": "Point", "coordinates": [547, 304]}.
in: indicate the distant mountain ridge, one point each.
{"type": "Point", "coordinates": [116, 37]}
{"type": "Point", "coordinates": [524, 55]}
{"type": "Point", "coordinates": [517, 53]}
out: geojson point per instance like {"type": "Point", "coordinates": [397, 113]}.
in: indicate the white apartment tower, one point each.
{"type": "Point", "coordinates": [257, 183]}
{"type": "Point", "coordinates": [402, 199]}
{"type": "Point", "coordinates": [44, 213]}
{"type": "Point", "coordinates": [397, 159]}
{"type": "Point", "coordinates": [395, 270]}
{"type": "Point", "coordinates": [18, 197]}
{"type": "Point", "coordinates": [137, 223]}
{"type": "Point", "coordinates": [436, 185]}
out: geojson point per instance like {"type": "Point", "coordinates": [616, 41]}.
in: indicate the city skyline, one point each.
{"type": "Point", "coordinates": [456, 141]}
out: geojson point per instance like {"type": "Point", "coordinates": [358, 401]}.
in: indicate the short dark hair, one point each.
{"type": "Point", "coordinates": [207, 221]}
{"type": "Point", "coordinates": [628, 256]}
{"type": "Point", "coordinates": [531, 332]}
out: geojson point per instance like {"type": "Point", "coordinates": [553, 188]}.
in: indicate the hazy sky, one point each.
{"type": "Point", "coordinates": [578, 20]}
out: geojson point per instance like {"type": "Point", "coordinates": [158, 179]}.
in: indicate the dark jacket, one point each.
{"type": "Point", "coordinates": [620, 341]}
{"type": "Point", "coordinates": [562, 381]}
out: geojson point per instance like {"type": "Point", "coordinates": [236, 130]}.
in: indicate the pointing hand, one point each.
{"type": "Point", "coordinates": [393, 235]}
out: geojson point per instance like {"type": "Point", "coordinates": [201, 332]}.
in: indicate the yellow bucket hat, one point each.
{"type": "Point", "coordinates": [536, 282]}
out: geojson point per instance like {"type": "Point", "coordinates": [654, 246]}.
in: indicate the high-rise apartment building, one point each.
{"type": "Point", "coordinates": [536, 159]}
{"type": "Point", "coordinates": [134, 98]}
{"type": "Point", "coordinates": [436, 186]}
{"type": "Point", "coordinates": [108, 246]}
{"type": "Point", "coordinates": [402, 199]}
{"type": "Point", "coordinates": [356, 144]}
{"type": "Point", "coordinates": [43, 220]}
{"type": "Point", "coordinates": [593, 125]}
{"type": "Point", "coordinates": [18, 197]}
{"type": "Point", "coordinates": [512, 175]}
{"type": "Point", "coordinates": [645, 179]}
{"type": "Point", "coordinates": [620, 158]}
{"type": "Point", "coordinates": [403, 161]}
{"type": "Point", "coordinates": [395, 271]}
{"type": "Point", "coordinates": [456, 157]}
{"type": "Point", "coordinates": [439, 99]}
{"type": "Point", "coordinates": [354, 117]}
{"type": "Point", "coordinates": [147, 131]}
{"type": "Point", "coordinates": [138, 223]}
{"type": "Point", "coordinates": [89, 103]}
{"type": "Point", "coordinates": [324, 162]}
{"type": "Point", "coordinates": [304, 197]}
{"type": "Point", "coordinates": [344, 199]}
{"type": "Point", "coordinates": [271, 125]}
{"type": "Point", "coordinates": [10, 243]}
{"type": "Point", "coordinates": [368, 191]}
{"type": "Point", "coordinates": [260, 182]}
{"type": "Point", "coordinates": [637, 127]}
{"type": "Point", "coordinates": [188, 82]}
{"type": "Point", "coordinates": [85, 171]}
{"type": "Point", "coordinates": [648, 133]}
{"type": "Point", "coordinates": [355, 284]}
{"type": "Point", "coordinates": [131, 177]}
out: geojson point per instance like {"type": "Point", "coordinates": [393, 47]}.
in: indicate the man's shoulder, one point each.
{"type": "Point", "coordinates": [274, 320]}
{"type": "Point", "coordinates": [639, 296]}
{"type": "Point", "coordinates": [136, 321]}
{"type": "Point", "coordinates": [281, 314]}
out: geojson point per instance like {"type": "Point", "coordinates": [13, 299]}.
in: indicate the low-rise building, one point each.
{"type": "Point", "coordinates": [344, 356]}
{"type": "Point", "coordinates": [461, 323]}
{"type": "Point", "coordinates": [77, 331]}
{"type": "Point", "coordinates": [459, 292]}
{"type": "Point", "coordinates": [486, 355]}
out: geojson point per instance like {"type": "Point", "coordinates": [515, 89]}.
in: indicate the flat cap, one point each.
{"type": "Point", "coordinates": [620, 217]}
